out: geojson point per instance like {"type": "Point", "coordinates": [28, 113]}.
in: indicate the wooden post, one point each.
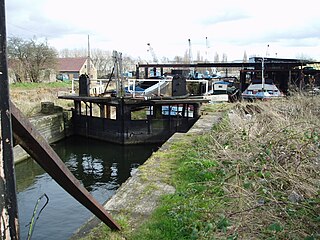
{"type": "Point", "coordinates": [108, 111]}
{"type": "Point", "coordinates": [9, 224]}
{"type": "Point", "coordinates": [137, 72]}
{"type": "Point", "coordinates": [102, 110]}
{"type": "Point", "coordinates": [146, 69]}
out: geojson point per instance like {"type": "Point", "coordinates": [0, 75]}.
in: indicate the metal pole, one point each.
{"type": "Point", "coordinates": [159, 89]}
{"type": "Point", "coordinates": [9, 224]}
{"type": "Point", "coordinates": [122, 92]}
{"type": "Point", "coordinates": [116, 71]}
{"type": "Point", "coordinates": [89, 59]}
{"type": "Point", "coordinates": [134, 87]}
{"type": "Point", "coordinates": [207, 87]}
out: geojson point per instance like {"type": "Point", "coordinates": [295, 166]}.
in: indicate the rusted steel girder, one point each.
{"type": "Point", "coordinates": [33, 143]}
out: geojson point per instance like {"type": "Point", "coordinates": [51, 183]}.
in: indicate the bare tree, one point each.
{"type": "Point", "coordinates": [102, 60]}
{"type": "Point", "coordinates": [128, 63]}
{"type": "Point", "coordinates": [73, 53]}
{"type": "Point", "coordinates": [224, 57]}
{"type": "Point", "coordinates": [216, 57]}
{"type": "Point", "coordinates": [64, 53]}
{"type": "Point", "coordinates": [31, 57]}
{"type": "Point", "coordinates": [178, 59]}
{"type": "Point", "coordinates": [186, 57]}
{"type": "Point", "coordinates": [199, 57]}
{"type": "Point", "coordinates": [165, 60]}
{"type": "Point", "coordinates": [303, 56]}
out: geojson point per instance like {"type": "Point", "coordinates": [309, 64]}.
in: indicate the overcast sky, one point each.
{"type": "Point", "coordinates": [290, 28]}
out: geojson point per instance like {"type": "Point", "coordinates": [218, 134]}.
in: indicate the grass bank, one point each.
{"type": "Point", "coordinates": [28, 96]}
{"type": "Point", "coordinates": [32, 85]}
{"type": "Point", "coordinates": [253, 176]}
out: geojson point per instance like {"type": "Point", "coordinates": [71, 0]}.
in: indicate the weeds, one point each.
{"type": "Point", "coordinates": [28, 96]}
{"type": "Point", "coordinates": [255, 176]}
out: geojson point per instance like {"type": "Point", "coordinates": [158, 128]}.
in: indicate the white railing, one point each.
{"type": "Point", "coordinates": [158, 86]}
{"type": "Point", "coordinates": [99, 87]}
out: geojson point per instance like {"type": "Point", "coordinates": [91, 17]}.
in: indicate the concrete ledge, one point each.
{"type": "Point", "coordinates": [138, 197]}
{"type": "Point", "coordinates": [52, 127]}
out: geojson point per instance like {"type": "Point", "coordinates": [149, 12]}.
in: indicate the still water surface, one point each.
{"type": "Point", "coordinates": [101, 167]}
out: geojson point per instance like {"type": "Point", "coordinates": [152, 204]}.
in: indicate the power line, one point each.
{"type": "Point", "coordinates": [35, 33]}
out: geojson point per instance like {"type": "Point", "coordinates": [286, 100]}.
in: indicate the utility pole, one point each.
{"type": "Point", "coordinates": [9, 224]}
{"type": "Point", "coordinates": [89, 64]}
{"type": "Point", "coordinates": [89, 58]}
{"type": "Point", "coordinates": [192, 70]}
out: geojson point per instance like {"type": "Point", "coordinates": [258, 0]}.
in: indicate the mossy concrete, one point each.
{"type": "Point", "coordinates": [53, 127]}
{"type": "Point", "coordinates": [138, 197]}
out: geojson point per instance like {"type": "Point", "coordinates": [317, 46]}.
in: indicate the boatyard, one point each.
{"type": "Point", "coordinates": [165, 138]}
{"type": "Point", "coordinates": [163, 112]}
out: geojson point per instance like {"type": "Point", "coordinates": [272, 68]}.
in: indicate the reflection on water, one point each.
{"type": "Point", "coordinates": [101, 167]}
{"type": "Point", "coordinates": [26, 173]}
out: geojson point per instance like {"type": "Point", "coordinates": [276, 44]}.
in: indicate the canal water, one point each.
{"type": "Point", "coordinates": [101, 167]}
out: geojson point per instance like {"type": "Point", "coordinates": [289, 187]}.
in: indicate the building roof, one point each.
{"type": "Point", "coordinates": [71, 64]}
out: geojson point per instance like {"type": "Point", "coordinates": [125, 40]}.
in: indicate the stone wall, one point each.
{"type": "Point", "coordinates": [53, 127]}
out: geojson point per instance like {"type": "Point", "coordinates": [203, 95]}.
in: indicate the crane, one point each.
{"type": "Point", "coordinates": [192, 70]}
{"type": "Point", "coordinates": [190, 51]}
{"type": "Point", "coordinates": [154, 57]}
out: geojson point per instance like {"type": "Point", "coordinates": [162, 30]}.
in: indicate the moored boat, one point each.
{"type": "Point", "coordinates": [259, 89]}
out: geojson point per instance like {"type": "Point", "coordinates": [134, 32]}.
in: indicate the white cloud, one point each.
{"type": "Point", "coordinates": [231, 26]}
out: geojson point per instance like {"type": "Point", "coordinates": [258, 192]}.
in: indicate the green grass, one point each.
{"type": "Point", "coordinates": [139, 115]}
{"type": "Point", "coordinates": [31, 85]}
{"type": "Point", "coordinates": [103, 232]}
{"type": "Point", "coordinates": [216, 107]}
{"type": "Point", "coordinates": [185, 214]}
{"type": "Point", "coordinates": [251, 177]}
{"type": "Point", "coordinates": [238, 181]}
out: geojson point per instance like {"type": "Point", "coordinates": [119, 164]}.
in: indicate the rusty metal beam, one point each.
{"type": "Point", "coordinates": [32, 142]}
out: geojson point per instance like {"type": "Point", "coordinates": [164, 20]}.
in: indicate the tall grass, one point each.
{"type": "Point", "coordinates": [28, 96]}
{"type": "Point", "coordinates": [254, 176]}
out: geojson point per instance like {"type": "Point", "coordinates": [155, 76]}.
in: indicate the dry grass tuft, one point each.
{"type": "Point", "coordinates": [271, 154]}
{"type": "Point", "coordinates": [29, 100]}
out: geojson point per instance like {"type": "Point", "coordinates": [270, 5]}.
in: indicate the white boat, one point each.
{"type": "Point", "coordinates": [262, 90]}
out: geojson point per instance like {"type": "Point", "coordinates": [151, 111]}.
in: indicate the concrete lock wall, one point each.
{"type": "Point", "coordinates": [53, 127]}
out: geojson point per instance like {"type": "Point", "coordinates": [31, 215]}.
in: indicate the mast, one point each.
{"type": "Point", "coordinates": [192, 70]}
{"type": "Point", "coordinates": [262, 69]}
